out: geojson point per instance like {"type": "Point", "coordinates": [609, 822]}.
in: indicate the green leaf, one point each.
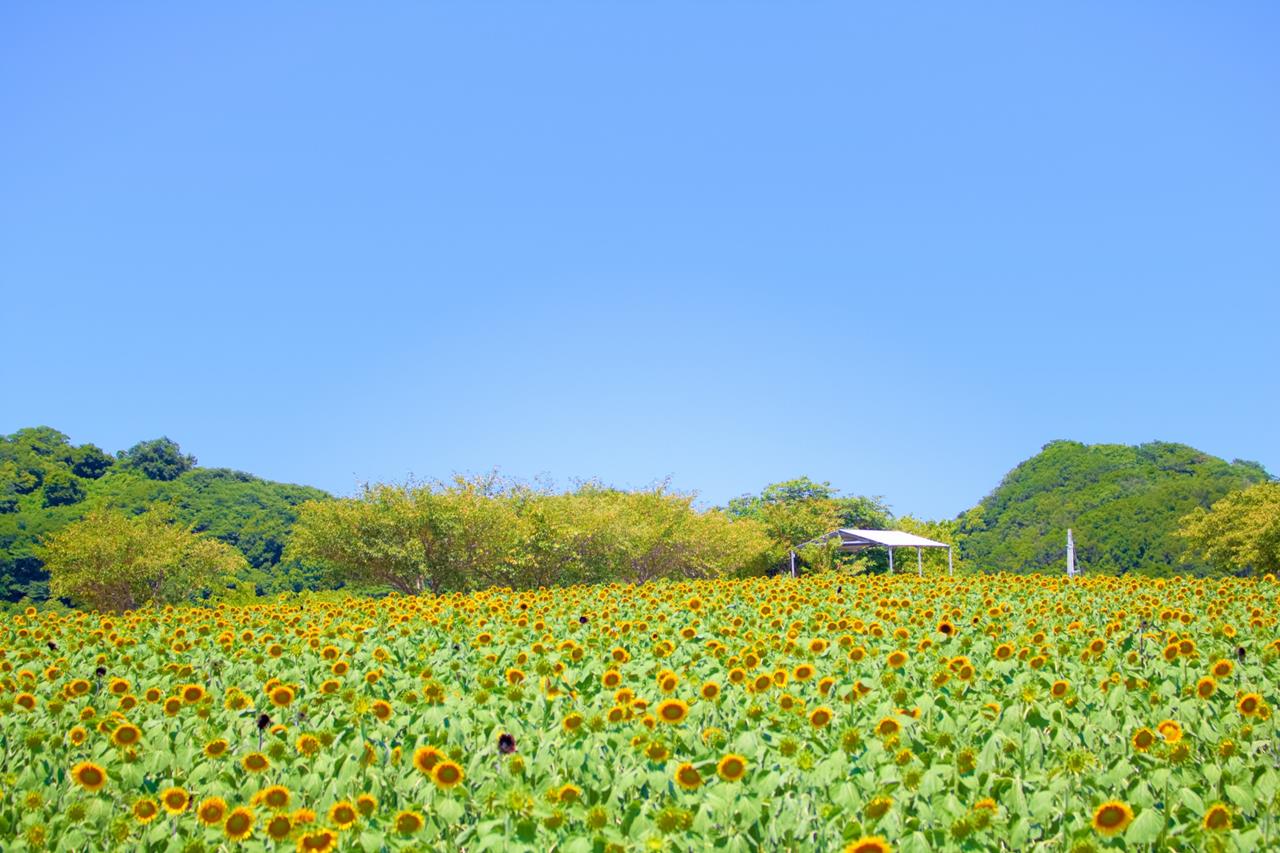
{"type": "Point", "coordinates": [1192, 801]}
{"type": "Point", "coordinates": [1146, 828]}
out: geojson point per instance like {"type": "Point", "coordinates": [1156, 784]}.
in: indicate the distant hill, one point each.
{"type": "Point", "coordinates": [46, 483]}
{"type": "Point", "coordinates": [1122, 502]}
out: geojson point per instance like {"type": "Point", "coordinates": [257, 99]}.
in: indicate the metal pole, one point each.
{"type": "Point", "coordinates": [920, 561]}
{"type": "Point", "coordinates": [793, 564]}
{"type": "Point", "coordinates": [890, 559]}
{"type": "Point", "coordinates": [951, 569]}
{"type": "Point", "coordinates": [1071, 555]}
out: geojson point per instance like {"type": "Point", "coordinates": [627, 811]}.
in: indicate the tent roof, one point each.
{"type": "Point", "coordinates": [852, 539]}
{"type": "Point", "coordinates": [889, 537]}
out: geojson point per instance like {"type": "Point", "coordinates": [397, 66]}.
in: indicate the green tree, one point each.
{"type": "Point", "coordinates": [1240, 533]}
{"type": "Point", "coordinates": [113, 561]}
{"type": "Point", "coordinates": [62, 489]}
{"type": "Point", "coordinates": [158, 459]}
{"type": "Point", "coordinates": [90, 461]}
{"type": "Point", "coordinates": [483, 532]}
{"type": "Point", "coordinates": [408, 538]}
{"type": "Point", "coordinates": [793, 512]}
{"type": "Point", "coordinates": [1124, 504]}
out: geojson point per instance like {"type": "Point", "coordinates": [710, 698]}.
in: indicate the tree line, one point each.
{"type": "Point", "coordinates": [149, 526]}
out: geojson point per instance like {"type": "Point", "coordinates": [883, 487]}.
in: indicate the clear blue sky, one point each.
{"type": "Point", "coordinates": [898, 247]}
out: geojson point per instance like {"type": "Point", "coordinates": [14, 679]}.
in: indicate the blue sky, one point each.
{"type": "Point", "coordinates": [898, 247]}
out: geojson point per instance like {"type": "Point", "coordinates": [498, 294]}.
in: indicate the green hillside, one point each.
{"type": "Point", "coordinates": [1123, 503]}
{"type": "Point", "coordinates": [46, 483]}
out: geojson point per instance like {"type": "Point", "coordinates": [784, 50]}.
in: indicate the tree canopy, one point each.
{"type": "Point", "coordinates": [46, 483]}
{"type": "Point", "coordinates": [1124, 504]}
{"type": "Point", "coordinates": [113, 561]}
{"type": "Point", "coordinates": [473, 533]}
{"type": "Point", "coordinates": [1239, 534]}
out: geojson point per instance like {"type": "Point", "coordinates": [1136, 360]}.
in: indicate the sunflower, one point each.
{"type": "Point", "coordinates": [568, 793]}
{"type": "Point", "coordinates": [572, 721]}
{"type": "Point", "coordinates": [732, 767]}
{"type": "Point", "coordinates": [877, 807]}
{"type": "Point", "coordinates": [820, 716]}
{"type": "Point", "coordinates": [896, 659]}
{"type": "Point", "coordinates": [126, 734]}
{"type": "Point", "coordinates": [425, 758]}
{"type": "Point", "coordinates": [447, 774]}
{"type": "Point", "coordinates": [1222, 668]}
{"type": "Point", "coordinates": [382, 710]}
{"type": "Point", "coordinates": [215, 748]}
{"type": "Point", "coordinates": [279, 827]}
{"type": "Point", "coordinates": [78, 735]}
{"type": "Point", "coordinates": [175, 800]}
{"type": "Point", "coordinates": [688, 777]}
{"type": "Point", "coordinates": [172, 706]}
{"type": "Point", "coordinates": [1206, 687]}
{"type": "Point", "coordinates": [192, 693]}
{"type": "Point", "coordinates": [282, 696]}
{"type": "Point", "coordinates": [1060, 688]}
{"type": "Point", "coordinates": [307, 744]}
{"type": "Point", "coordinates": [888, 727]}
{"type": "Point", "coordinates": [320, 841]}
{"type": "Point", "coordinates": [343, 814]}
{"type": "Point", "coordinates": [407, 823]}
{"type": "Point", "coordinates": [869, 844]}
{"type": "Point", "coordinates": [1249, 704]}
{"type": "Point", "coordinates": [611, 679]}
{"type": "Point", "coordinates": [239, 824]}
{"type": "Point", "coordinates": [1171, 730]}
{"type": "Point", "coordinates": [255, 762]}
{"type": "Point", "coordinates": [672, 711]}
{"type": "Point", "coordinates": [1112, 817]}
{"type": "Point", "coordinates": [710, 691]}
{"type": "Point", "coordinates": [89, 776]}
{"type": "Point", "coordinates": [211, 811]}
{"type": "Point", "coordinates": [366, 804]}
{"type": "Point", "coordinates": [1143, 739]}
{"type": "Point", "coordinates": [1004, 651]}
{"type": "Point", "coordinates": [1217, 818]}
{"type": "Point", "coordinates": [276, 797]}
{"type": "Point", "coordinates": [145, 810]}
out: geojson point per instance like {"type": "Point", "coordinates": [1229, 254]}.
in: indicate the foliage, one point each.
{"type": "Point", "coordinates": [481, 532]}
{"type": "Point", "coordinates": [158, 459]}
{"type": "Point", "coordinates": [47, 483]}
{"type": "Point", "coordinates": [796, 511]}
{"type": "Point", "coordinates": [62, 489]}
{"type": "Point", "coordinates": [1239, 534]}
{"type": "Point", "coordinates": [730, 714]}
{"type": "Point", "coordinates": [935, 559]}
{"type": "Point", "coordinates": [113, 561]}
{"type": "Point", "coordinates": [1123, 503]}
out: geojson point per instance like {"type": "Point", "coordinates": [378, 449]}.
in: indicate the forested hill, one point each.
{"type": "Point", "coordinates": [1122, 502]}
{"type": "Point", "coordinates": [47, 483]}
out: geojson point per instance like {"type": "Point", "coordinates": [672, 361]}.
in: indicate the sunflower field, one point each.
{"type": "Point", "coordinates": [828, 712]}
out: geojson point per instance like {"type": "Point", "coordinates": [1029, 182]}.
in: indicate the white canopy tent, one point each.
{"type": "Point", "coordinates": [854, 540]}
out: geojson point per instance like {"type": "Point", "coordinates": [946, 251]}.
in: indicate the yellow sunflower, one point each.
{"type": "Point", "coordinates": [1112, 817]}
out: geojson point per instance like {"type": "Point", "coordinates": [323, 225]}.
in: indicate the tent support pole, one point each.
{"type": "Point", "coordinates": [890, 559]}
{"type": "Point", "coordinates": [951, 569]}
{"type": "Point", "coordinates": [920, 561]}
{"type": "Point", "coordinates": [793, 564]}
